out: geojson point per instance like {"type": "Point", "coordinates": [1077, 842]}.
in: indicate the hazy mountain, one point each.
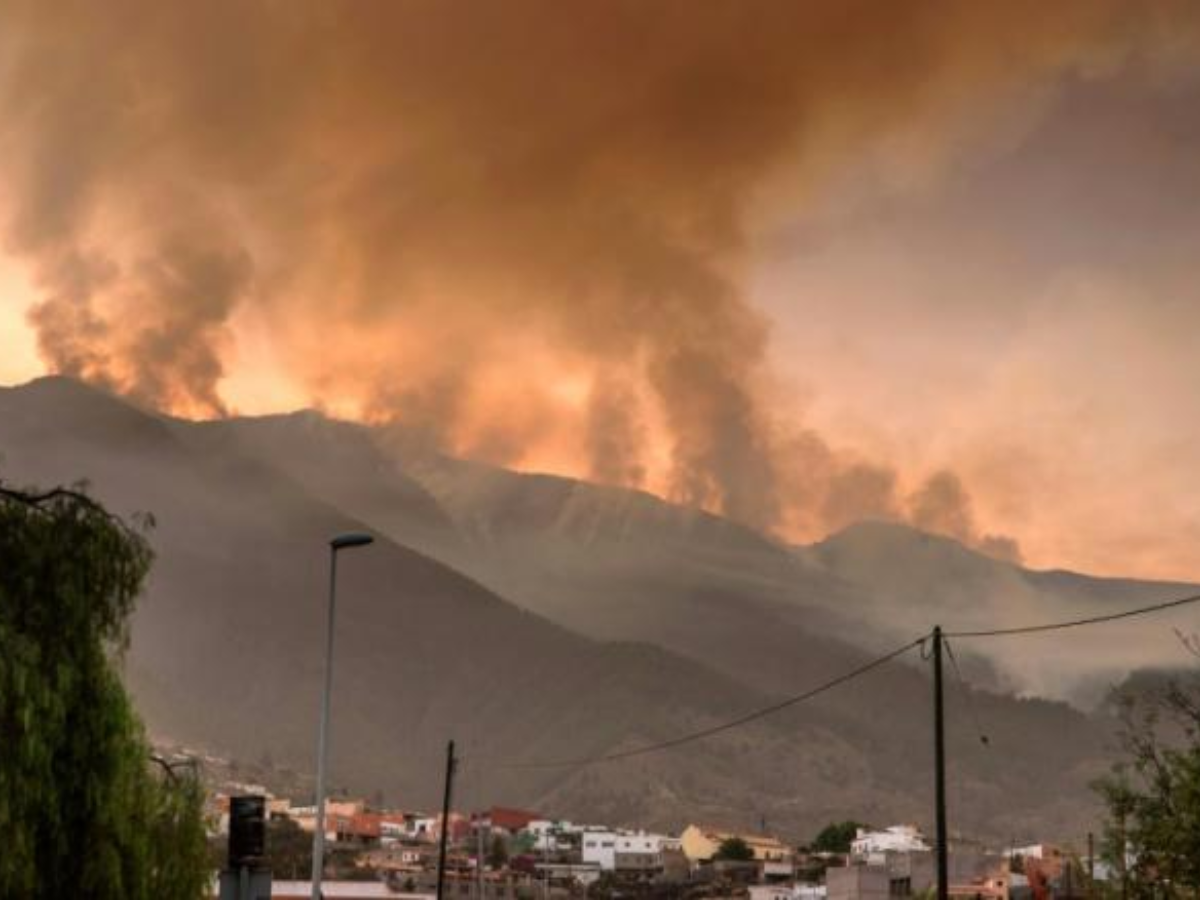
{"type": "Point", "coordinates": [910, 580]}
{"type": "Point", "coordinates": [335, 461]}
{"type": "Point", "coordinates": [227, 645]}
{"type": "Point", "coordinates": [226, 648]}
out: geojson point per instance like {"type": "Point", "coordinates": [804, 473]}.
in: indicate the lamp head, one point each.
{"type": "Point", "coordinates": [352, 539]}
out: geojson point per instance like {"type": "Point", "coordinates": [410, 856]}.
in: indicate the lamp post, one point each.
{"type": "Point", "coordinates": [341, 542]}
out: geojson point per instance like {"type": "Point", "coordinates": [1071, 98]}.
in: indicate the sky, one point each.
{"type": "Point", "coordinates": [800, 264]}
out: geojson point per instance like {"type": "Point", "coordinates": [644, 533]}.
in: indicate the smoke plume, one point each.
{"type": "Point", "coordinates": [941, 505]}
{"type": "Point", "coordinates": [516, 224]}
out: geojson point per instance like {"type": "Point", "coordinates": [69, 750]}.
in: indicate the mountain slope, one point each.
{"type": "Point", "coordinates": [621, 564]}
{"type": "Point", "coordinates": [227, 644]}
{"type": "Point", "coordinates": [911, 580]}
{"type": "Point", "coordinates": [335, 461]}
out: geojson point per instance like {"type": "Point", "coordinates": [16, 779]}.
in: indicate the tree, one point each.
{"type": "Point", "coordinates": [498, 854]}
{"type": "Point", "coordinates": [1152, 833]}
{"type": "Point", "coordinates": [836, 837]}
{"type": "Point", "coordinates": [289, 848]}
{"type": "Point", "coordinates": [83, 810]}
{"type": "Point", "coordinates": [734, 849]}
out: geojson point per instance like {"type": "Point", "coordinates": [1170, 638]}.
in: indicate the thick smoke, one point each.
{"type": "Point", "coordinates": [614, 434]}
{"type": "Point", "coordinates": [484, 218]}
{"type": "Point", "coordinates": [941, 505]}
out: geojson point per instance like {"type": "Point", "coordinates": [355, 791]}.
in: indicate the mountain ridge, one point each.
{"type": "Point", "coordinates": [620, 635]}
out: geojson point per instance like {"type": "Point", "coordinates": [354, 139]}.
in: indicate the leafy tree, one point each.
{"type": "Point", "coordinates": [836, 837]}
{"type": "Point", "coordinates": [498, 854]}
{"type": "Point", "coordinates": [1152, 835]}
{"type": "Point", "coordinates": [289, 848]}
{"type": "Point", "coordinates": [734, 849]}
{"type": "Point", "coordinates": [83, 811]}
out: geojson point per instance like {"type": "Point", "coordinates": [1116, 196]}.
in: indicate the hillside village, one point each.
{"type": "Point", "coordinates": [502, 852]}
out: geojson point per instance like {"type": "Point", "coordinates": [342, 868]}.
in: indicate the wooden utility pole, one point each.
{"type": "Point", "coordinates": [451, 763]}
{"type": "Point", "coordinates": [939, 765]}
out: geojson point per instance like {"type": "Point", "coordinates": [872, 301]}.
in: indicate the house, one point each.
{"type": "Point", "coordinates": [873, 846]}
{"type": "Point", "coordinates": [625, 851]}
{"type": "Point", "coordinates": [364, 828]}
{"type": "Point", "coordinates": [858, 883]}
{"type": "Point", "coordinates": [701, 843]}
{"type": "Point", "coordinates": [397, 826]}
{"type": "Point", "coordinates": [502, 818]}
{"type": "Point", "coordinates": [551, 836]}
{"type": "Point", "coordinates": [458, 826]}
{"type": "Point", "coordinates": [306, 816]}
{"type": "Point", "coordinates": [425, 827]}
{"type": "Point", "coordinates": [914, 873]}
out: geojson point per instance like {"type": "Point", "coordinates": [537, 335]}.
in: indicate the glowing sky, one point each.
{"type": "Point", "coordinates": [796, 291]}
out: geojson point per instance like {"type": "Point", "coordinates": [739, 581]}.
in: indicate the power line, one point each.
{"type": "Point", "coordinates": [1075, 623]}
{"type": "Point", "coordinates": [849, 676]}
{"type": "Point", "coordinates": [725, 726]}
{"type": "Point", "coordinates": [965, 692]}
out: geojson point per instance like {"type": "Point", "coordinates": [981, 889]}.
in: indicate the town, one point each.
{"type": "Point", "coordinates": [502, 852]}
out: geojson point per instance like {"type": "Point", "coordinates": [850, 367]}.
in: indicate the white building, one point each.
{"type": "Point", "coordinates": [626, 850]}
{"type": "Point", "coordinates": [873, 846]}
{"type": "Point", "coordinates": [787, 892]}
{"type": "Point", "coordinates": [426, 827]}
{"type": "Point", "coordinates": [550, 835]}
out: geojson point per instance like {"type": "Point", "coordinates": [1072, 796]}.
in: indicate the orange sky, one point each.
{"type": "Point", "coordinates": [796, 292]}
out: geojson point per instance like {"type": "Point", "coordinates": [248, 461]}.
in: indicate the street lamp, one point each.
{"type": "Point", "coordinates": [341, 542]}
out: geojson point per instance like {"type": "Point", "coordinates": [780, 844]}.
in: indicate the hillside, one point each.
{"type": "Point", "coordinates": [226, 646]}
{"type": "Point", "coordinates": [665, 620]}
{"type": "Point", "coordinates": [911, 580]}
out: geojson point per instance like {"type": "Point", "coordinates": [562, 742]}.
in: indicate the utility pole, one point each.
{"type": "Point", "coordinates": [451, 764]}
{"type": "Point", "coordinates": [939, 765]}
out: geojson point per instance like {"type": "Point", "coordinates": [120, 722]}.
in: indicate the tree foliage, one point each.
{"type": "Point", "coordinates": [1152, 835]}
{"type": "Point", "coordinates": [836, 837]}
{"type": "Point", "coordinates": [734, 849]}
{"type": "Point", "coordinates": [498, 853]}
{"type": "Point", "coordinates": [289, 848]}
{"type": "Point", "coordinates": [83, 811]}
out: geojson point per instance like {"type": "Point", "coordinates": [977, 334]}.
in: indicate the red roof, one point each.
{"type": "Point", "coordinates": [365, 825]}
{"type": "Point", "coordinates": [508, 818]}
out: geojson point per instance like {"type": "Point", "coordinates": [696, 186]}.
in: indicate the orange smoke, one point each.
{"type": "Point", "coordinates": [518, 227]}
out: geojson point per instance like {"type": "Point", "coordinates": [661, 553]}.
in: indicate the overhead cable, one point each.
{"type": "Point", "coordinates": [761, 713]}
{"type": "Point", "coordinates": [1076, 623]}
